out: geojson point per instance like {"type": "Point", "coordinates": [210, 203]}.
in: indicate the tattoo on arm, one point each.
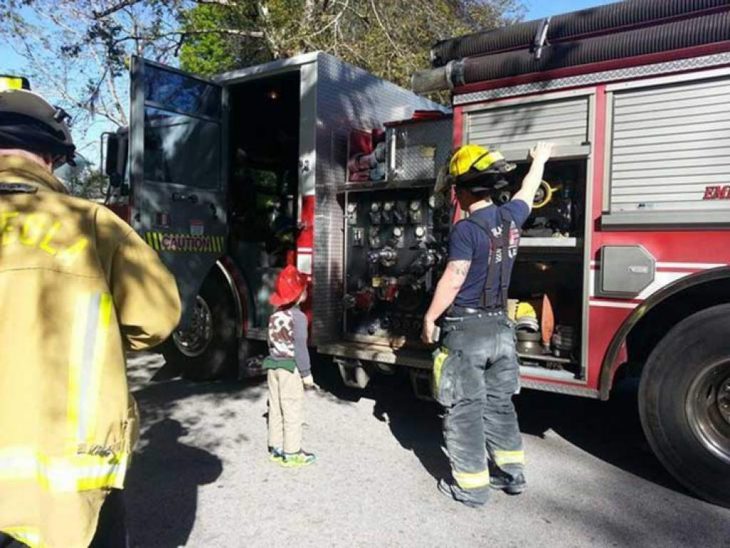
{"type": "Point", "coordinates": [459, 268]}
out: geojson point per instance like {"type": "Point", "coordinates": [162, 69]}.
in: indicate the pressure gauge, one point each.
{"type": "Point", "coordinates": [375, 206]}
{"type": "Point", "coordinates": [415, 205]}
{"type": "Point", "coordinates": [420, 232]}
{"type": "Point", "coordinates": [397, 232]}
{"type": "Point", "coordinates": [388, 206]}
{"type": "Point", "coordinates": [351, 207]}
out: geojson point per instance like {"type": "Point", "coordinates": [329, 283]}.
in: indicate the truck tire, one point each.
{"type": "Point", "coordinates": [684, 403]}
{"type": "Point", "coordinates": [207, 350]}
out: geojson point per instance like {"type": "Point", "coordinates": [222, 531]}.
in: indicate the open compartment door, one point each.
{"type": "Point", "coordinates": [177, 170]}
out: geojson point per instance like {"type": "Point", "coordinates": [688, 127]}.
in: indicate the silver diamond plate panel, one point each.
{"type": "Point", "coordinates": [420, 149]}
{"type": "Point", "coordinates": [347, 98]}
{"type": "Point", "coordinates": [546, 386]}
{"type": "Point", "coordinates": [692, 63]}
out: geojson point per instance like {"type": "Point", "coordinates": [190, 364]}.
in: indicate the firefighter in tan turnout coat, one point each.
{"type": "Point", "coordinates": [77, 288]}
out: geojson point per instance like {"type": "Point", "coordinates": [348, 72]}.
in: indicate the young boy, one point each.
{"type": "Point", "coordinates": [288, 370]}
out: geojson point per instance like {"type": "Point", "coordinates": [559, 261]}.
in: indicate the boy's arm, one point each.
{"type": "Point", "coordinates": [301, 352]}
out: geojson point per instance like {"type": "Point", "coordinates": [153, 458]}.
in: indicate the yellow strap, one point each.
{"type": "Point", "coordinates": [509, 457]}
{"type": "Point", "coordinates": [471, 480]}
{"type": "Point", "coordinates": [439, 357]}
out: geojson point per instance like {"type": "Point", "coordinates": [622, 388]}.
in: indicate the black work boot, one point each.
{"type": "Point", "coordinates": [512, 485]}
{"type": "Point", "coordinates": [447, 489]}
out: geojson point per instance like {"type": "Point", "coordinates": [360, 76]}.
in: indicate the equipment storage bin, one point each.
{"type": "Point", "coordinates": [419, 147]}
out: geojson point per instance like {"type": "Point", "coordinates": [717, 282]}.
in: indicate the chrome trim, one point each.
{"type": "Point", "coordinates": [670, 79]}
{"type": "Point", "coordinates": [664, 219]}
{"type": "Point", "coordinates": [236, 297]}
{"type": "Point", "coordinates": [607, 154]}
{"type": "Point", "coordinates": [559, 388]}
{"type": "Point", "coordinates": [587, 242]}
{"type": "Point", "coordinates": [267, 69]}
{"type": "Point", "coordinates": [508, 102]}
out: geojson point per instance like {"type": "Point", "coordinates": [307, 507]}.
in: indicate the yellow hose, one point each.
{"type": "Point", "coordinates": [548, 195]}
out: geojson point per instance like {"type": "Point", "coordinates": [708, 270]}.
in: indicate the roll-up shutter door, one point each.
{"type": "Point", "coordinates": [670, 144]}
{"type": "Point", "coordinates": [515, 129]}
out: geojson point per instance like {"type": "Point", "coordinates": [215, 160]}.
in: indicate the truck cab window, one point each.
{"type": "Point", "coordinates": [173, 151]}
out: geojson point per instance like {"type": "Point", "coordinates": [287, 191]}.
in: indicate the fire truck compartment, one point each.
{"type": "Point", "coordinates": [264, 184]}
{"type": "Point", "coordinates": [288, 128]}
{"type": "Point", "coordinates": [396, 244]}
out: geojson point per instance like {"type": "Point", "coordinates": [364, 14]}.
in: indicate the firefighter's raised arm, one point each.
{"type": "Point", "coordinates": [540, 154]}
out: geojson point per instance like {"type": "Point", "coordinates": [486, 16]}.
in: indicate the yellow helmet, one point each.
{"type": "Point", "coordinates": [471, 163]}
{"type": "Point", "coordinates": [13, 82]}
{"type": "Point", "coordinates": [525, 310]}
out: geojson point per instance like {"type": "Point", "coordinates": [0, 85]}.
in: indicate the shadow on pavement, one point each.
{"type": "Point", "coordinates": [415, 423]}
{"type": "Point", "coordinates": [610, 431]}
{"type": "Point", "coordinates": [175, 457]}
{"type": "Point", "coordinates": [162, 492]}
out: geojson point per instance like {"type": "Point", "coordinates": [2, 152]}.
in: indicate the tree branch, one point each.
{"type": "Point", "coordinates": [115, 8]}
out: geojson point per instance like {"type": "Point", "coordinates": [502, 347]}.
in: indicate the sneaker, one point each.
{"type": "Point", "coordinates": [276, 455]}
{"type": "Point", "coordinates": [297, 460]}
{"type": "Point", "coordinates": [512, 485]}
{"type": "Point", "coordinates": [445, 488]}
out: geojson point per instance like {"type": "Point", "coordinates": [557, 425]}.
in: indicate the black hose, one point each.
{"type": "Point", "coordinates": [671, 36]}
{"type": "Point", "coordinates": [617, 17]}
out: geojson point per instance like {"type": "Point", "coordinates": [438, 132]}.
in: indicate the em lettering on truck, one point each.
{"type": "Point", "coordinates": [184, 243]}
{"type": "Point", "coordinates": [717, 192]}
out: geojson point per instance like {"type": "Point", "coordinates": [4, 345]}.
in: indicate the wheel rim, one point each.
{"type": "Point", "coordinates": [708, 409]}
{"type": "Point", "coordinates": [193, 341]}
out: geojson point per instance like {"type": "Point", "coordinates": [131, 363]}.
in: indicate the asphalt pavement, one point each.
{"type": "Point", "coordinates": [201, 475]}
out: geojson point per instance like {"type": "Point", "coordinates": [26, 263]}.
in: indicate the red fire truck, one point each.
{"type": "Point", "coordinates": [635, 95]}
{"type": "Point", "coordinates": [624, 267]}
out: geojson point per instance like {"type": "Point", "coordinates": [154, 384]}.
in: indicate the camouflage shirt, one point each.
{"type": "Point", "coordinates": [288, 338]}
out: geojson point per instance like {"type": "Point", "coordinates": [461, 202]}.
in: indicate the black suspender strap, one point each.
{"type": "Point", "coordinates": [506, 263]}
{"type": "Point", "coordinates": [498, 270]}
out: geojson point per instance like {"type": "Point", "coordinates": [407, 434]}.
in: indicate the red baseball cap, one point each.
{"type": "Point", "coordinates": [288, 287]}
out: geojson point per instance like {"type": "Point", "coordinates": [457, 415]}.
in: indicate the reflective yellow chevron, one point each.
{"type": "Point", "coordinates": [184, 243]}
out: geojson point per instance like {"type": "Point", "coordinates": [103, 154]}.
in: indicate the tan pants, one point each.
{"type": "Point", "coordinates": [286, 392]}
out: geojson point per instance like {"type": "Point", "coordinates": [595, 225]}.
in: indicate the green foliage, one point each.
{"type": "Point", "coordinates": [213, 52]}
{"type": "Point", "coordinates": [391, 38]}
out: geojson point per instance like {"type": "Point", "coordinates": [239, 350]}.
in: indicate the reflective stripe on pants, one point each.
{"type": "Point", "coordinates": [504, 458]}
{"type": "Point", "coordinates": [471, 480]}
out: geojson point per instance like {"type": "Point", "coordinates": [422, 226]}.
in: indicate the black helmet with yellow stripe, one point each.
{"type": "Point", "coordinates": [29, 122]}
{"type": "Point", "coordinates": [478, 169]}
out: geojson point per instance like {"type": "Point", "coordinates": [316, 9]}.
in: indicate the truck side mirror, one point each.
{"type": "Point", "coordinates": [115, 164]}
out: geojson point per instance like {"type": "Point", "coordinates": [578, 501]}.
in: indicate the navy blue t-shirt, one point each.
{"type": "Point", "coordinates": [468, 242]}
